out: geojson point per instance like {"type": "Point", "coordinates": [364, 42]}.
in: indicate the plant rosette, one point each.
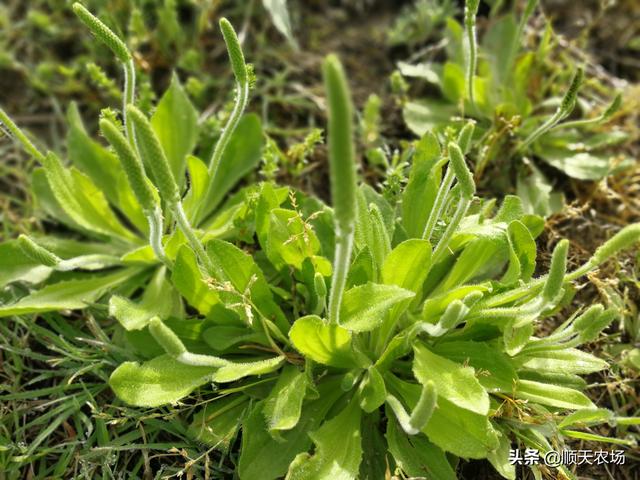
{"type": "Point", "coordinates": [343, 340]}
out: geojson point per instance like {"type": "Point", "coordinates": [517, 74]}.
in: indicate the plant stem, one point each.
{"type": "Point", "coordinates": [542, 129]}
{"type": "Point", "coordinates": [344, 246]}
{"type": "Point", "coordinates": [184, 225]}
{"type": "Point", "coordinates": [12, 129]}
{"type": "Point", "coordinates": [567, 105]}
{"type": "Point", "coordinates": [154, 219]}
{"type": "Point", "coordinates": [129, 99]}
{"type": "Point", "coordinates": [458, 215]}
{"type": "Point", "coordinates": [438, 204]}
{"type": "Point", "coordinates": [470, 12]}
{"type": "Point", "coordinates": [242, 96]}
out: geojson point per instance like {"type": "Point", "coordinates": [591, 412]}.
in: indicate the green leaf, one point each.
{"type": "Point", "coordinates": [582, 166]}
{"type": "Point", "coordinates": [372, 392]}
{"type": "Point", "coordinates": [415, 455]}
{"type": "Point", "coordinates": [375, 461]}
{"type": "Point", "coordinates": [479, 256]}
{"type": "Point", "coordinates": [242, 155]}
{"type": "Point", "coordinates": [362, 269]}
{"type": "Point", "coordinates": [240, 269]}
{"type": "Point", "coordinates": [587, 417]}
{"type": "Point", "coordinates": [258, 460]}
{"type": "Point", "coordinates": [223, 337]}
{"type": "Point", "coordinates": [359, 313]}
{"type": "Point", "coordinates": [16, 266]}
{"type": "Point", "coordinates": [500, 458]}
{"type": "Point", "coordinates": [322, 342]}
{"type": "Point", "coordinates": [536, 194]}
{"type": "Point", "coordinates": [46, 201]}
{"type": "Point", "coordinates": [524, 247]}
{"type": "Point", "coordinates": [408, 265]}
{"type": "Point", "coordinates": [422, 187]}
{"type": "Point", "coordinates": [423, 116]}
{"type": "Point", "coordinates": [175, 122]}
{"type": "Point", "coordinates": [570, 360]}
{"type": "Point", "coordinates": [280, 16]}
{"type": "Point", "coordinates": [552, 395]}
{"type": "Point", "coordinates": [338, 449]}
{"type": "Point", "coordinates": [157, 382]}
{"type": "Point", "coordinates": [498, 44]}
{"type": "Point", "coordinates": [67, 295]}
{"type": "Point", "coordinates": [102, 167]}
{"type": "Point", "coordinates": [217, 423]}
{"type": "Point", "coordinates": [237, 370]}
{"type": "Point", "coordinates": [82, 201]}
{"type": "Point", "coordinates": [496, 372]}
{"type": "Point", "coordinates": [453, 82]}
{"type": "Point", "coordinates": [453, 429]}
{"type": "Point", "coordinates": [159, 299]}
{"type": "Point", "coordinates": [456, 383]}
{"type": "Point", "coordinates": [460, 431]}
{"type": "Point", "coordinates": [188, 280]}
{"type": "Point", "coordinates": [289, 241]}
{"type": "Point", "coordinates": [198, 181]}
{"type": "Point", "coordinates": [283, 406]}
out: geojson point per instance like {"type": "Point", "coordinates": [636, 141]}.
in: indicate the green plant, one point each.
{"type": "Point", "coordinates": [507, 89]}
{"type": "Point", "coordinates": [415, 345]}
{"type": "Point", "coordinates": [343, 341]}
{"type": "Point", "coordinates": [85, 197]}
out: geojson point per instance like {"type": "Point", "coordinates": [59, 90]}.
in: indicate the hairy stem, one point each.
{"type": "Point", "coordinates": [344, 246]}
{"type": "Point", "coordinates": [13, 130]}
{"type": "Point", "coordinates": [129, 98]}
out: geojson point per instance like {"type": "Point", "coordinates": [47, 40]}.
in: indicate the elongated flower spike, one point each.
{"type": "Point", "coordinates": [37, 253]}
{"type": "Point", "coordinates": [152, 152]}
{"type": "Point", "coordinates": [557, 271]}
{"type": "Point", "coordinates": [458, 166]}
{"type": "Point", "coordinates": [131, 165]}
{"type": "Point", "coordinates": [567, 105]}
{"type": "Point", "coordinates": [622, 240]}
{"type": "Point", "coordinates": [102, 32]}
{"type": "Point", "coordinates": [571, 96]}
{"type": "Point", "coordinates": [320, 288]}
{"type": "Point", "coordinates": [11, 129]}
{"type": "Point", "coordinates": [243, 81]}
{"type": "Point", "coordinates": [120, 50]}
{"type": "Point", "coordinates": [613, 107]}
{"type": "Point", "coordinates": [342, 175]}
{"type": "Point", "coordinates": [414, 423]}
{"type": "Point", "coordinates": [461, 170]}
{"type": "Point", "coordinates": [236, 57]}
{"type": "Point", "coordinates": [174, 347]}
{"type": "Point", "coordinates": [465, 136]}
{"type": "Point", "coordinates": [140, 185]}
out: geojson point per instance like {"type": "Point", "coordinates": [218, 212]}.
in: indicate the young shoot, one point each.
{"type": "Point", "coordinates": [470, 13]}
{"type": "Point", "coordinates": [11, 129]}
{"type": "Point", "coordinates": [342, 176]}
{"type": "Point", "coordinates": [242, 77]}
{"type": "Point", "coordinates": [467, 186]}
{"type": "Point", "coordinates": [140, 185]}
{"type": "Point", "coordinates": [120, 50]}
{"type": "Point", "coordinates": [613, 107]}
{"type": "Point", "coordinates": [151, 152]}
{"type": "Point", "coordinates": [567, 105]}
